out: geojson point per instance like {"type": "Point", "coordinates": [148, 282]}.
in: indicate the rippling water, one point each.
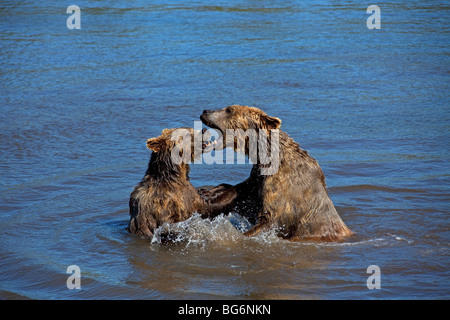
{"type": "Point", "coordinates": [78, 105]}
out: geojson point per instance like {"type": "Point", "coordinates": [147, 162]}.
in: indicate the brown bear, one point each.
{"type": "Point", "coordinates": [292, 199]}
{"type": "Point", "coordinates": [165, 193]}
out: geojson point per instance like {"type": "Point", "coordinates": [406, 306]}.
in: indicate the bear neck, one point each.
{"type": "Point", "coordinates": [287, 149]}
{"type": "Point", "coordinates": [161, 168]}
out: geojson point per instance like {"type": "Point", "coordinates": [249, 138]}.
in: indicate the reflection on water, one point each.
{"type": "Point", "coordinates": [78, 105]}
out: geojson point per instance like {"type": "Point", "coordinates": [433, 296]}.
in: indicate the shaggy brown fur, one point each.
{"type": "Point", "coordinates": [165, 193]}
{"type": "Point", "coordinates": [294, 199]}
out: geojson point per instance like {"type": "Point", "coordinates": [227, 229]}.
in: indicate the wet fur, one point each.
{"type": "Point", "coordinates": [165, 193]}
{"type": "Point", "coordinates": [294, 200]}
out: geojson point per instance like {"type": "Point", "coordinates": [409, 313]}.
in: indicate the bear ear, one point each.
{"type": "Point", "coordinates": [155, 144]}
{"type": "Point", "coordinates": [271, 122]}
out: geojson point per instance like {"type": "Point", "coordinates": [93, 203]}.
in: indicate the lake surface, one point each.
{"type": "Point", "coordinates": [78, 105]}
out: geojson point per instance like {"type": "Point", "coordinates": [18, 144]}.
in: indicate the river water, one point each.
{"type": "Point", "coordinates": [78, 105]}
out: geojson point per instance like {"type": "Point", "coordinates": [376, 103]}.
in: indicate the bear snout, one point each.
{"type": "Point", "coordinates": [205, 116]}
{"type": "Point", "coordinates": [206, 111]}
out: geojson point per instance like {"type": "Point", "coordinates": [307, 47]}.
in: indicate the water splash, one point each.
{"type": "Point", "coordinates": [197, 231]}
{"type": "Point", "coordinates": [227, 230]}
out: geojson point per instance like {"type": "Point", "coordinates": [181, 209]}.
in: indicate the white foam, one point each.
{"type": "Point", "coordinates": [226, 231]}
{"type": "Point", "coordinates": [398, 238]}
{"type": "Point", "coordinates": [200, 232]}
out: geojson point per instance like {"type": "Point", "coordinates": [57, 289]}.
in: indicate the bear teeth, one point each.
{"type": "Point", "coordinates": [208, 143]}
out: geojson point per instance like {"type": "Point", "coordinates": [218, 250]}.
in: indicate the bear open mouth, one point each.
{"type": "Point", "coordinates": [209, 145]}
{"type": "Point", "coordinates": [210, 142]}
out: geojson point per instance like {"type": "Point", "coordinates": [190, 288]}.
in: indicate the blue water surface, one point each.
{"type": "Point", "coordinates": [78, 105]}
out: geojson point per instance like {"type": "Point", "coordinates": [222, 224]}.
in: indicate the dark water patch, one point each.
{"type": "Point", "coordinates": [374, 188]}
